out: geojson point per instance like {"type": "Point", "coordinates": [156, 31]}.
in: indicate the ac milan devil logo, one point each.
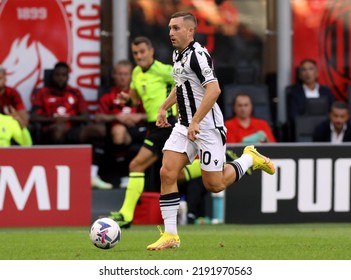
{"type": "Point", "coordinates": [336, 47]}
{"type": "Point", "coordinates": [35, 34]}
{"type": "Point", "coordinates": [21, 74]}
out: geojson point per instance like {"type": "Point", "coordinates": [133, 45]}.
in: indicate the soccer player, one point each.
{"type": "Point", "coordinates": [151, 83]}
{"type": "Point", "coordinates": [10, 129]}
{"type": "Point", "coordinates": [200, 128]}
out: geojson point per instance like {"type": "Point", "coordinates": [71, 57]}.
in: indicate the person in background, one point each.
{"type": "Point", "coordinates": [244, 127]}
{"type": "Point", "coordinates": [306, 87]}
{"type": "Point", "coordinates": [11, 130]}
{"type": "Point", "coordinates": [337, 128]}
{"type": "Point", "coordinates": [60, 109]}
{"type": "Point", "coordinates": [62, 114]}
{"type": "Point", "coordinates": [126, 123]}
{"type": "Point", "coordinates": [11, 102]}
{"type": "Point", "coordinates": [116, 126]}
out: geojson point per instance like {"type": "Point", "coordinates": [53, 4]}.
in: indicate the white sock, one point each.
{"type": "Point", "coordinates": [170, 220]}
{"type": "Point", "coordinates": [169, 205]}
{"type": "Point", "coordinates": [241, 165]}
{"type": "Point", "coordinates": [94, 171]}
{"type": "Point", "coordinates": [245, 161]}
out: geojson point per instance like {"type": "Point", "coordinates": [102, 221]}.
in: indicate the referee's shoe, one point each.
{"type": "Point", "coordinates": [119, 218]}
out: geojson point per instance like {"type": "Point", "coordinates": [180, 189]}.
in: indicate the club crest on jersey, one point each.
{"type": "Point", "coordinates": [184, 59]}
{"type": "Point", "coordinates": [207, 71]}
{"type": "Point", "coordinates": [71, 100]}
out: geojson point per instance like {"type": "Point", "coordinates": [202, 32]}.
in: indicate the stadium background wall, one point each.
{"type": "Point", "coordinates": [312, 184]}
{"type": "Point", "coordinates": [45, 186]}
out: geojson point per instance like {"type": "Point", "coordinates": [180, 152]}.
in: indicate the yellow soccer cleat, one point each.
{"type": "Point", "coordinates": [260, 161]}
{"type": "Point", "coordinates": [166, 241]}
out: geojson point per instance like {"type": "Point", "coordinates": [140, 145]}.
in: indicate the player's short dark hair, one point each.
{"type": "Point", "coordinates": [61, 64]}
{"type": "Point", "coordinates": [124, 62]}
{"type": "Point", "coordinates": [310, 60]}
{"type": "Point", "coordinates": [339, 105]}
{"type": "Point", "coordinates": [185, 16]}
{"type": "Point", "coordinates": [241, 94]}
{"type": "Point", "coordinates": [142, 39]}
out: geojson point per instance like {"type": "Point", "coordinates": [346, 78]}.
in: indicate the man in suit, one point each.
{"type": "Point", "coordinates": [307, 88]}
{"type": "Point", "coordinates": [336, 129]}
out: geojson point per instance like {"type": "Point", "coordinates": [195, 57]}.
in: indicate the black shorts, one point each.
{"type": "Point", "coordinates": [73, 135]}
{"type": "Point", "coordinates": [156, 137]}
{"type": "Point", "coordinates": [138, 134]}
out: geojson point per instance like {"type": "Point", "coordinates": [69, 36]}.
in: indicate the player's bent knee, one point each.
{"type": "Point", "coordinates": [214, 187]}
{"type": "Point", "coordinates": [134, 166]}
{"type": "Point", "coordinates": [213, 181]}
{"type": "Point", "coordinates": [168, 175]}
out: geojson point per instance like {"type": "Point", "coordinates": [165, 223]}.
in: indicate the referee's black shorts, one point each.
{"type": "Point", "coordinates": [156, 137]}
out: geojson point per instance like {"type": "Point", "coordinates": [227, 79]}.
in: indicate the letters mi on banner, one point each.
{"type": "Point", "coordinates": [312, 184]}
{"type": "Point", "coordinates": [35, 34]}
{"type": "Point", "coordinates": [45, 186]}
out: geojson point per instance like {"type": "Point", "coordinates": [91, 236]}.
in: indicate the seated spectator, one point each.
{"type": "Point", "coordinates": [60, 109]}
{"type": "Point", "coordinates": [11, 130]}
{"type": "Point", "coordinates": [122, 125]}
{"type": "Point", "coordinates": [62, 113]}
{"type": "Point", "coordinates": [124, 121]}
{"type": "Point", "coordinates": [337, 128]}
{"type": "Point", "coordinates": [11, 102]}
{"type": "Point", "coordinates": [307, 87]}
{"type": "Point", "coordinates": [244, 127]}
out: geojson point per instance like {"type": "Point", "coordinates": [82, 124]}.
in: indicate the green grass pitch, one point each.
{"type": "Point", "coordinates": [329, 241]}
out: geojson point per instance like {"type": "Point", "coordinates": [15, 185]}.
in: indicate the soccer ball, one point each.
{"type": "Point", "coordinates": [105, 233]}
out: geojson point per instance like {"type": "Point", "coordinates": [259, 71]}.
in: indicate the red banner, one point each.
{"type": "Point", "coordinates": [322, 32]}
{"type": "Point", "coordinates": [45, 186]}
{"type": "Point", "coordinates": [35, 34]}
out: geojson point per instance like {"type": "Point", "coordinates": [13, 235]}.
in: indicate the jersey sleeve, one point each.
{"type": "Point", "coordinates": [167, 74]}
{"type": "Point", "coordinates": [201, 64]}
{"type": "Point", "coordinates": [17, 101]}
{"type": "Point", "coordinates": [267, 129]}
{"type": "Point", "coordinates": [132, 83]}
{"type": "Point", "coordinates": [37, 101]}
{"type": "Point", "coordinates": [21, 136]}
{"type": "Point", "coordinates": [82, 103]}
{"type": "Point", "coordinates": [103, 107]}
{"type": "Point", "coordinates": [232, 136]}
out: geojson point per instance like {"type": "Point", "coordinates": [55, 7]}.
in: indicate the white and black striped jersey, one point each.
{"type": "Point", "coordinates": [192, 70]}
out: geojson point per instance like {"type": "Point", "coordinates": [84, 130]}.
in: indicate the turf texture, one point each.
{"type": "Point", "coordinates": [327, 241]}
